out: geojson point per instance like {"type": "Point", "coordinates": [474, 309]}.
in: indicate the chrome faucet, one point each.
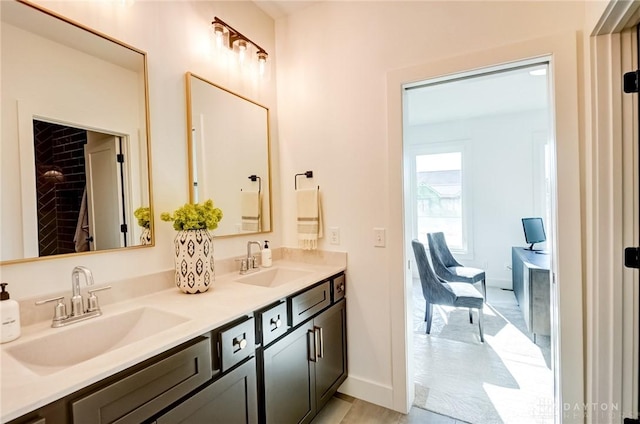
{"type": "Point", "coordinates": [78, 313]}
{"type": "Point", "coordinates": [76, 297]}
{"type": "Point", "coordinates": [251, 264]}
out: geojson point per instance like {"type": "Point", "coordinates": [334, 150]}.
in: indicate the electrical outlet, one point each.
{"type": "Point", "coordinates": [334, 235]}
{"type": "Point", "coordinates": [379, 237]}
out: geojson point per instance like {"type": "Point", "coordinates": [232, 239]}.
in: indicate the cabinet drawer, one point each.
{"type": "Point", "coordinates": [338, 287]}
{"type": "Point", "coordinates": [273, 322]}
{"type": "Point", "coordinates": [142, 394]}
{"type": "Point", "coordinates": [308, 303]}
{"type": "Point", "coordinates": [236, 343]}
{"type": "Point", "coordinates": [230, 399]}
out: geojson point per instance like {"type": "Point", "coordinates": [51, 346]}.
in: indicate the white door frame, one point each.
{"type": "Point", "coordinates": [563, 50]}
{"type": "Point", "coordinates": [612, 220]}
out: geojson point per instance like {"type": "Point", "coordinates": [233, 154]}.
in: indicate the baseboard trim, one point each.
{"type": "Point", "coordinates": [369, 391]}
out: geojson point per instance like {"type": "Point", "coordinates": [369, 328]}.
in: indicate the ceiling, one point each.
{"type": "Point", "coordinates": [490, 94]}
{"type": "Point", "coordinates": [280, 8]}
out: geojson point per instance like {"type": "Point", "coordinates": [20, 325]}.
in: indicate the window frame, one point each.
{"type": "Point", "coordinates": [440, 147]}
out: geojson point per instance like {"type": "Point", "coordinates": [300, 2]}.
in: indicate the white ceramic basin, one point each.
{"type": "Point", "coordinates": [79, 342]}
{"type": "Point", "coordinates": [273, 277]}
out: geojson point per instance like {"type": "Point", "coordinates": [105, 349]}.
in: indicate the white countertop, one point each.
{"type": "Point", "coordinates": [23, 391]}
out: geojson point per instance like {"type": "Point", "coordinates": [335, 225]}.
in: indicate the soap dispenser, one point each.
{"type": "Point", "coordinates": [267, 261]}
{"type": "Point", "coordinates": [9, 316]}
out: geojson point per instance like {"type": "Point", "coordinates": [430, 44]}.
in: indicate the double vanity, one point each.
{"type": "Point", "coordinates": [266, 347]}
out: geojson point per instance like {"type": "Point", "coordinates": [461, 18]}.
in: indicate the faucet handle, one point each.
{"type": "Point", "coordinates": [243, 264]}
{"type": "Point", "coordinates": [60, 310]}
{"type": "Point", "coordinates": [92, 300]}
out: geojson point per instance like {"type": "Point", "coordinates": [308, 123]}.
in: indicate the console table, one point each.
{"type": "Point", "coordinates": [530, 274]}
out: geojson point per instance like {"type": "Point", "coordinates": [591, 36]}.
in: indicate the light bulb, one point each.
{"type": "Point", "coordinates": [242, 50]}
{"type": "Point", "coordinates": [218, 30]}
{"type": "Point", "coordinates": [262, 60]}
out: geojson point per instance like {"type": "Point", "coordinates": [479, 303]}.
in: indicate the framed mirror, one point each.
{"type": "Point", "coordinates": [229, 156]}
{"type": "Point", "coordinates": [75, 153]}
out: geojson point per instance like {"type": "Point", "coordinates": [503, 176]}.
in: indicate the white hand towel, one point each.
{"type": "Point", "coordinates": [309, 218]}
{"type": "Point", "coordinates": [250, 209]}
{"type": "Point", "coordinates": [82, 226]}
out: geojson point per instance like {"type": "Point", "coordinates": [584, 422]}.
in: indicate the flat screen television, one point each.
{"type": "Point", "coordinates": [533, 231]}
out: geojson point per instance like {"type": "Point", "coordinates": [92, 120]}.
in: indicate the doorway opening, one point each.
{"type": "Point", "coordinates": [479, 155]}
{"type": "Point", "coordinates": [80, 189]}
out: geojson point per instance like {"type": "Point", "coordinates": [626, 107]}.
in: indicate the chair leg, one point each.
{"type": "Point", "coordinates": [470, 317]}
{"type": "Point", "coordinates": [480, 324]}
{"type": "Point", "coordinates": [428, 316]}
{"type": "Point", "coordinates": [484, 289]}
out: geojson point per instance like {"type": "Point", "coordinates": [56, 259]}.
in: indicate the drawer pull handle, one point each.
{"type": "Point", "coordinates": [317, 332]}
{"type": "Point", "coordinates": [241, 344]}
{"type": "Point", "coordinates": [311, 343]}
{"type": "Point", "coordinates": [276, 322]}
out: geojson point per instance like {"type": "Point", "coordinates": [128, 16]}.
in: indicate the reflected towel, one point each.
{"type": "Point", "coordinates": [309, 218]}
{"type": "Point", "coordinates": [250, 210]}
{"type": "Point", "coordinates": [82, 227]}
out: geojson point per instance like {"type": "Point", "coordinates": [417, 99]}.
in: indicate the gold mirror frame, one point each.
{"type": "Point", "coordinates": [248, 154]}
{"type": "Point", "coordinates": [82, 40]}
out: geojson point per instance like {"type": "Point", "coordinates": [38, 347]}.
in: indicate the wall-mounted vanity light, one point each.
{"type": "Point", "coordinates": [227, 36]}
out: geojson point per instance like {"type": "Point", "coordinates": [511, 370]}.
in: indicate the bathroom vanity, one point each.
{"type": "Point", "coordinates": [276, 357]}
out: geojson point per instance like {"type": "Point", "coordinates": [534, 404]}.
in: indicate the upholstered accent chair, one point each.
{"type": "Point", "coordinates": [437, 291]}
{"type": "Point", "coordinates": [446, 266]}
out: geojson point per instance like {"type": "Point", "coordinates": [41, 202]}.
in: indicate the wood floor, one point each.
{"type": "Point", "coordinates": [343, 409]}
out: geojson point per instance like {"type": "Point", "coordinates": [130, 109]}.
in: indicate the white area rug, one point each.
{"type": "Point", "coordinates": [507, 379]}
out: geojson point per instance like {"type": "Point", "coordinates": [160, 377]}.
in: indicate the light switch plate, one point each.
{"type": "Point", "coordinates": [379, 237]}
{"type": "Point", "coordinates": [334, 235]}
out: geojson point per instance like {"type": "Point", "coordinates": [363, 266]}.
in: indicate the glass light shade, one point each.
{"type": "Point", "coordinates": [241, 47]}
{"type": "Point", "coordinates": [262, 62]}
{"type": "Point", "coordinates": [218, 31]}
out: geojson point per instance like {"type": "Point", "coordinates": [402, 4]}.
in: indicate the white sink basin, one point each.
{"type": "Point", "coordinates": [80, 342]}
{"type": "Point", "coordinates": [273, 277]}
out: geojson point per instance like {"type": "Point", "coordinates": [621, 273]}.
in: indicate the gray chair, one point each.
{"type": "Point", "coordinates": [437, 291]}
{"type": "Point", "coordinates": [446, 266]}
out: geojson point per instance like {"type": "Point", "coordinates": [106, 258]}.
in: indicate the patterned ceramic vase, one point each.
{"type": "Point", "coordinates": [195, 271]}
{"type": "Point", "coordinates": [145, 237]}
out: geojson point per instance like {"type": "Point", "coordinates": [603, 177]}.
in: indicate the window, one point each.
{"type": "Point", "coordinates": [439, 200]}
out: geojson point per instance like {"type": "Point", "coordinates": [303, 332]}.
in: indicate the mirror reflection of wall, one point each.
{"type": "Point", "coordinates": [58, 72]}
{"type": "Point", "coordinates": [229, 156]}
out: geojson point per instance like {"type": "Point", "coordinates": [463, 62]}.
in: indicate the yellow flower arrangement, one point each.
{"type": "Point", "coordinates": [143, 215]}
{"type": "Point", "coordinates": [194, 216]}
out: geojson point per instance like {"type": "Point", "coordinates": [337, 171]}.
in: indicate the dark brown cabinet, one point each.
{"type": "Point", "coordinates": [303, 369]}
{"type": "Point", "coordinates": [230, 399]}
{"type": "Point", "coordinates": [280, 367]}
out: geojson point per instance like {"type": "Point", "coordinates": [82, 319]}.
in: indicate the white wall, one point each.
{"type": "Point", "coordinates": [334, 59]}
{"type": "Point", "coordinates": [175, 35]}
{"type": "Point", "coordinates": [506, 173]}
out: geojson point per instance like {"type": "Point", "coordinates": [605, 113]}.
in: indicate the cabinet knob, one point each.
{"type": "Point", "coordinates": [240, 343]}
{"type": "Point", "coordinates": [276, 322]}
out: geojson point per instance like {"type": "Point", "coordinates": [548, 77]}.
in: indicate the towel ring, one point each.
{"type": "Point", "coordinates": [308, 174]}
{"type": "Point", "coordinates": [254, 178]}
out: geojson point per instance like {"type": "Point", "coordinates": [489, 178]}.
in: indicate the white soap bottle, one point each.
{"type": "Point", "coordinates": [9, 317]}
{"type": "Point", "coordinates": [267, 261]}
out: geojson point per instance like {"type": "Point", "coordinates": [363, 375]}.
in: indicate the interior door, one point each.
{"type": "Point", "coordinates": [631, 84]}
{"type": "Point", "coordinates": [104, 188]}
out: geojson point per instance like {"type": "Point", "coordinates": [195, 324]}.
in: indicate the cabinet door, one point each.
{"type": "Point", "coordinates": [289, 378]}
{"type": "Point", "coordinates": [137, 397]}
{"type": "Point", "coordinates": [231, 399]}
{"type": "Point", "coordinates": [331, 367]}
